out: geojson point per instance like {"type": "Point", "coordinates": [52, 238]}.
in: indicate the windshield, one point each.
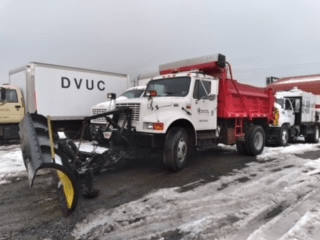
{"type": "Point", "coordinates": [280, 101]}
{"type": "Point", "coordinates": [133, 93]}
{"type": "Point", "coordinates": [177, 87]}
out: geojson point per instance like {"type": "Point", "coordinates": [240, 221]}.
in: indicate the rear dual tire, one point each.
{"type": "Point", "coordinates": [314, 137]}
{"type": "Point", "coordinates": [254, 140]}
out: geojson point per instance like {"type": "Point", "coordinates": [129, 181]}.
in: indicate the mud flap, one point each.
{"type": "Point", "coordinates": [37, 151]}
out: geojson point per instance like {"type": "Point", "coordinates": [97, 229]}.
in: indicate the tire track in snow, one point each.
{"type": "Point", "coordinates": [237, 210]}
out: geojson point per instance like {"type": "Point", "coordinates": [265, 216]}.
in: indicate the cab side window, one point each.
{"type": "Point", "coordinates": [288, 105]}
{"type": "Point", "coordinates": [11, 96]}
{"type": "Point", "coordinates": [199, 92]}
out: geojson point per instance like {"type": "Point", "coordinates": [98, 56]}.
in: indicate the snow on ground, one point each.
{"type": "Point", "coordinates": [11, 162]}
{"type": "Point", "coordinates": [275, 197]}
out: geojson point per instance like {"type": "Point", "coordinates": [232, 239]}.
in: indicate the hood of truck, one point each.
{"type": "Point", "coordinates": [156, 102]}
{"type": "Point", "coordinates": [107, 103]}
{"type": "Point", "coordinates": [155, 110]}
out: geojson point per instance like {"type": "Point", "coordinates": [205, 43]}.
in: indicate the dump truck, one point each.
{"type": "Point", "coordinates": [64, 93]}
{"type": "Point", "coordinates": [298, 108]}
{"type": "Point", "coordinates": [297, 115]}
{"type": "Point", "coordinates": [193, 104]}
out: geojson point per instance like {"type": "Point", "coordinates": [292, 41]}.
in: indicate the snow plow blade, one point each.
{"type": "Point", "coordinates": [70, 169]}
{"type": "Point", "coordinates": [39, 152]}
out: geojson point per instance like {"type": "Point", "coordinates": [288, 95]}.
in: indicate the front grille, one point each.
{"type": "Point", "coordinates": [135, 107]}
{"type": "Point", "coordinates": [96, 111]}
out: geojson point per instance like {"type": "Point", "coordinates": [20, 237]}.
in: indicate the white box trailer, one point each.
{"type": "Point", "coordinates": [66, 94]}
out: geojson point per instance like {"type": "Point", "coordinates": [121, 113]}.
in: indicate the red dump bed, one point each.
{"type": "Point", "coordinates": [241, 100]}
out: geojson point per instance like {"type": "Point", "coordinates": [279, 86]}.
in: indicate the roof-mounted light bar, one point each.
{"type": "Point", "coordinates": [218, 58]}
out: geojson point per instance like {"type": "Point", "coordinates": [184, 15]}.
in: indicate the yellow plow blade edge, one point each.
{"type": "Point", "coordinates": [68, 189]}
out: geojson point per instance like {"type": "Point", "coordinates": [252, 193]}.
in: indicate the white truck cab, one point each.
{"type": "Point", "coordinates": [170, 97]}
{"type": "Point", "coordinates": [286, 111]}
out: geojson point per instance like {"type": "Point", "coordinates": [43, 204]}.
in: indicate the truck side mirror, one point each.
{"type": "Point", "coordinates": [111, 96]}
{"type": "Point", "coordinates": [152, 93]}
{"type": "Point", "coordinates": [3, 94]}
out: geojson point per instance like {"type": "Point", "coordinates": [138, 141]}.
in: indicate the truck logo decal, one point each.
{"type": "Point", "coordinates": [203, 111]}
{"type": "Point", "coordinates": [66, 83]}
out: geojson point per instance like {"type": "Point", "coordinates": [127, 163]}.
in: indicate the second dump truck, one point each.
{"type": "Point", "coordinates": [298, 109]}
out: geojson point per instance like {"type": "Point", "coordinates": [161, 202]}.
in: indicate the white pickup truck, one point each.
{"type": "Point", "coordinates": [98, 125]}
{"type": "Point", "coordinates": [297, 115]}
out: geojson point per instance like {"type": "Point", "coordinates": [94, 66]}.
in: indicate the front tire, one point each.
{"type": "Point", "coordinates": [177, 149]}
{"type": "Point", "coordinates": [255, 140]}
{"type": "Point", "coordinates": [283, 136]}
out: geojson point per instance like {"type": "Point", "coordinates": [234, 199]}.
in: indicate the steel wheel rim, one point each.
{"type": "Point", "coordinates": [258, 141]}
{"type": "Point", "coordinates": [182, 150]}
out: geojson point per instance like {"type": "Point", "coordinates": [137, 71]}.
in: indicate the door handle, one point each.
{"type": "Point", "coordinates": [17, 107]}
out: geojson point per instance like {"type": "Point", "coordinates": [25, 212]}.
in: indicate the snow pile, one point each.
{"type": "Point", "coordinates": [266, 200]}
{"type": "Point", "coordinates": [11, 163]}
{"type": "Point", "coordinates": [270, 153]}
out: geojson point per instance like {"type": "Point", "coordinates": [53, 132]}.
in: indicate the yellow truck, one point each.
{"type": "Point", "coordinates": [12, 110]}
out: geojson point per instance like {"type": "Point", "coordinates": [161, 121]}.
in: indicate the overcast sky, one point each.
{"type": "Point", "coordinates": [259, 38]}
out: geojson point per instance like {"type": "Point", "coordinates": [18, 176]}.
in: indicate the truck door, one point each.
{"type": "Point", "coordinates": [204, 109]}
{"type": "Point", "coordinates": [288, 113]}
